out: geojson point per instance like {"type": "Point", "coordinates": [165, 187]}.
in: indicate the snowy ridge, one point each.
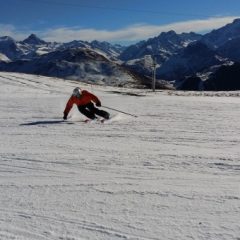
{"type": "Point", "coordinates": [171, 173]}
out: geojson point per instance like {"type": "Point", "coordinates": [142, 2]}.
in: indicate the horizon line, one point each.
{"type": "Point", "coordinates": [128, 34]}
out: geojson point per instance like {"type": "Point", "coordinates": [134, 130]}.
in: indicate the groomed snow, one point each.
{"type": "Point", "coordinates": [172, 173]}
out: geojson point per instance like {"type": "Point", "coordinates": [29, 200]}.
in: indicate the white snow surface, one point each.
{"type": "Point", "coordinates": [4, 58]}
{"type": "Point", "coordinates": [172, 173]}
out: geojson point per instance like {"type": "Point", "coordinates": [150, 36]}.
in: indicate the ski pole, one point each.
{"type": "Point", "coordinates": [120, 111]}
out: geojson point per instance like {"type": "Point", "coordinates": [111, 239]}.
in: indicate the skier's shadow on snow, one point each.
{"type": "Point", "coordinates": [47, 122]}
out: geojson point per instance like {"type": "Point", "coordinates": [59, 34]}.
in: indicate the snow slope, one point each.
{"type": "Point", "coordinates": [171, 173]}
{"type": "Point", "coordinates": [4, 58]}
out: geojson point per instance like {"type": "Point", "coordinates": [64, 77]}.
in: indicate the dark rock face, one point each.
{"type": "Point", "coordinates": [230, 49]}
{"type": "Point", "coordinates": [226, 78]}
{"type": "Point", "coordinates": [192, 59]}
{"type": "Point", "coordinates": [219, 37]}
{"type": "Point", "coordinates": [190, 83]}
{"type": "Point", "coordinates": [33, 40]}
{"type": "Point", "coordinates": [9, 47]}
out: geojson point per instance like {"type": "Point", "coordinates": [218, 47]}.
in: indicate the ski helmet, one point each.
{"type": "Point", "coordinates": [77, 92]}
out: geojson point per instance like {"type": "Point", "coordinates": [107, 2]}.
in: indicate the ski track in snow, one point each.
{"type": "Point", "coordinates": [172, 173]}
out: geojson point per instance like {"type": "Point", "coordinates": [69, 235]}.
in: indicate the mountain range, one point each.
{"type": "Point", "coordinates": [191, 61]}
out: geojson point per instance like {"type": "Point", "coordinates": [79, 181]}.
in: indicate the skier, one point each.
{"type": "Point", "coordinates": [84, 101]}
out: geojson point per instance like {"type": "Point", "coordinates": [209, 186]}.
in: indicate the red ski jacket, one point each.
{"type": "Point", "coordinates": [85, 98]}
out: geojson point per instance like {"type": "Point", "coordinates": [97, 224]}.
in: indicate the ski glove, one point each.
{"type": "Point", "coordinates": [98, 104]}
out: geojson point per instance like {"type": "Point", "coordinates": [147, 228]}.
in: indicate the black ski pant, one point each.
{"type": "Point", "coordinates": [89, 110]}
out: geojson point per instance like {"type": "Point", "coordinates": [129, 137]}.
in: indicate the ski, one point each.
{"type": "Point", "coordinates": [98, 120]}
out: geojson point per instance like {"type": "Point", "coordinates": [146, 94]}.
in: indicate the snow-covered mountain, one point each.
{"type": "Point", "coordinates": [162, 46]}
{"type": "Point", "coordinates": [10, 48]}
{"type": "Point", "coordinates": [224, 75]}
{"type": "Point", "coordinates": [80, 60]}
{"type": "Point", "coordinates": [80, 64]}
{"type": "Point", "coordinates": [178, 56]}
{"type": "Point", "coordinates": [192, 59]}
{"type": "Point", "coordinates": [111, 50]}
{"type": "Point", "coordinates": [26, 49]}
{"type": "Point", "coordinates": [33, 46]}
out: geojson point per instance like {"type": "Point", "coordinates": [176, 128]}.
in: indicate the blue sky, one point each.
{"type": "Point", "coordinates": [114, 21]}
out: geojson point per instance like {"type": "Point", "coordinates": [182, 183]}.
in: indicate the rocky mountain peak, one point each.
{"type": "Point", "coordinates": [33, 40]}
